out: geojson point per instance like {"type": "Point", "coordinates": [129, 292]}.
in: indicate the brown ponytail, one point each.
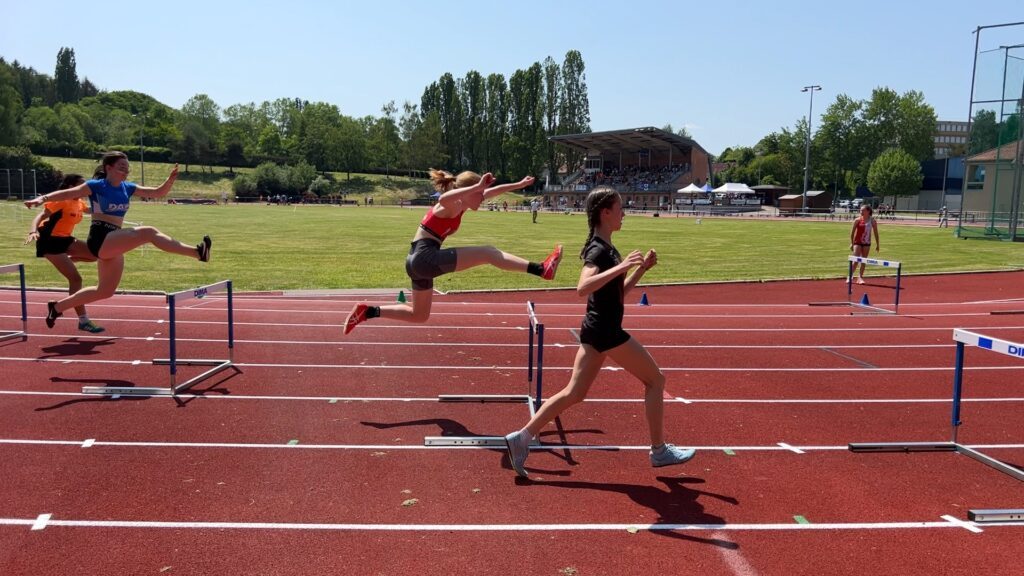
{"type": "Point", "coordinates": [599, 198]}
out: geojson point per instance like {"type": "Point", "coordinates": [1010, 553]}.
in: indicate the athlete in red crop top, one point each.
{"type": "Point", "coordinates": [864, 228]}
{"type": "Point", "coordinates": [427, 260]}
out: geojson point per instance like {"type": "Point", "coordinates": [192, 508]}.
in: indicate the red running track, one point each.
{"type": "Point", "coordinates": [309, 458]}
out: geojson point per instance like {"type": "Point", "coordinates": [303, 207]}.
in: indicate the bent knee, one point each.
{"type": "Point", "coordinates": [656, 382]}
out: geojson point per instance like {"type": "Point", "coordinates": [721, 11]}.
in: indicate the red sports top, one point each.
{"type": "Point", "coordinates": [440, 227]}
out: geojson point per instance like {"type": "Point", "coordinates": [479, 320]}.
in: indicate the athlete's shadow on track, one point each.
{"type": "Point", "coordinates": [676, 505]}
{"type": "Point", "coordinates": [75, 347]}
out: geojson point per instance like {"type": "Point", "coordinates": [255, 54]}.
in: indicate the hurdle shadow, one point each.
{"type": "Point", "coordinates": [215, 387]}
{"type": "Point", "coordinates": [75, 347]}
{"type": "Point", "coordinates": [677, 504]}
{"type": "Point", "coordinates": [91, 382]}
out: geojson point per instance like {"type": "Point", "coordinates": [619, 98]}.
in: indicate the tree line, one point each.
{"type": "Point", "coordinates": [477, 122]}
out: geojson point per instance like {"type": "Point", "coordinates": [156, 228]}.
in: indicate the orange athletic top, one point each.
{"type": "Point", "coordinates": [441, 228]}
{"type": "Point", "coordinates": [64, 216]}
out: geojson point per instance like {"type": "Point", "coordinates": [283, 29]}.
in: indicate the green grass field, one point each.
{"type": "Point", "coordinates": [197, 183]}
{"type": "Point", "coordinates": [330, 247]}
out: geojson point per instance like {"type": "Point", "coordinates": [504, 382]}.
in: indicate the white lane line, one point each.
{"type": "Point", "coordinates": [788, 526]}
{"type": "Point", "coordinates": [518, 368]}
{"type": "Point", "coordinates": [88, 443]}
{"type": "Point", "coordinates": [433, 399]}
{"type": "Point", "coordinates": [791, 448]}
{"type": "Point", "coordinates": [733, 558]}
{"type": "Point", "coordinates": [41, 521]}
{"type": "Point", "coordinates": [962, 524]}
{"type": "Point", "coordinates": [545, 446]}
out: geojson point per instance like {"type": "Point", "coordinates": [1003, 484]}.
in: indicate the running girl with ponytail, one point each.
{"type": "Point", "coordinates": [109, 194]}
{"type": "Point", "coordinates": [427, 260]}
{"type": "Point", "coordinates": [605, 280]}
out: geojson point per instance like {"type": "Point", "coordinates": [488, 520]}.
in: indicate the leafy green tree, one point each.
{"type": "Point", "coordinates": [350, 143]}
{"type": "Point", "coordinates": [425, 146]}
{"type": "Point", "coordinates": [497, 125]}
{"type": "Point", "coordinates": [574, 104]}
{"type": "Point", "coordinates": [552, 92]}
{"type": "Point", "coordinates": [200, 119]}
{"type": "Point", "coordinates": [66, 76]}
{"type": "Point", "coordinates": [10, 105]}
{"type": "Point", "coordinates": [895, 173]}
{"type": "Point", "coordinates": [473, 95]}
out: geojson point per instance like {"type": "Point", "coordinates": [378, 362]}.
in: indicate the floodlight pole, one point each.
{"type": "Point", "coordinates": [807, 146]}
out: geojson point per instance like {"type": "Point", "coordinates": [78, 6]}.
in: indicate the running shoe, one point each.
{"type": "Point", "coordinates": [204, 249]}
{"type": "Point", "coordinates": [668, 455]}
{"type": "Point", "coordinates": [51, 313]}
{"type": "Point", "coordinates": [550, 264]}
{"type": "Point", "coordinates": [91, 327]}
{"type": "Point", "coordinates": [355, 317]}
{"type": "Point", "coordinates": [518, 449]}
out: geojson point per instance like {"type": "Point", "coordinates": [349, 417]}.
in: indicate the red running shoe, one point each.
{"type": "Point", "coordinates": [355, 317]}
{"type": "Point", "coordinates": [550, 264]}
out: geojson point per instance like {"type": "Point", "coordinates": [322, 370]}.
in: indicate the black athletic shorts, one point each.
{"type": "Point", "coordinates": [97, 234]}
{"type": "Point", "coordinates": [47, 244]}
{"type": "Point", "coordinates": [603, 340]}
{"type": "Point", "coordinates": [426, 261]}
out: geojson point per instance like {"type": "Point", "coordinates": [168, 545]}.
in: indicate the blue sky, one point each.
{"type": "Point", "coordinates": [731, 72]}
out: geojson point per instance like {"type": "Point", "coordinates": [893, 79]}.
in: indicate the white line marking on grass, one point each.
{"type": "Point", "coordinates": [789, 526]}
{"type": "Point", "coordinates": [962, 524]}
{"type": "Point", "coordinates": [41, 521]}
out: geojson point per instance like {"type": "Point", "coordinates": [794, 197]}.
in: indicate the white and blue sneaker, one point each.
{"type": "Point", "coordinates": [518, 449]}
{"type": "Point", "coordinates": [667, 455]}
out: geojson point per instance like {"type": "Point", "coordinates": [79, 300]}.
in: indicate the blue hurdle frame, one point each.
{"type": "Point", "coordinates": [853, 261]}
{"type": "Point", "coordinates": [173, 361]}
{"type": "Point", "coordinates": [23, 333]}
{"type": "Point", "coordinates": [963, 338]}
{"type": "Point", "coordinates": [534, 364]}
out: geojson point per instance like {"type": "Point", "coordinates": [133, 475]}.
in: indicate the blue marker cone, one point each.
{"type": "Point", "coordinates": [643, 300]}
{"type": "Point", "coordinates": [864, 300]}
{"type": "Point", "coordinates": [401, 296]}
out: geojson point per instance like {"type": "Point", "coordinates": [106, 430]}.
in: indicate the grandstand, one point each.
{"type": "Point", "coordinates": [646, 166]}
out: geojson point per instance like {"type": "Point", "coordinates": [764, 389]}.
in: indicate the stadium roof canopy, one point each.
{"type": "Point", "coordinates": [629, 141]}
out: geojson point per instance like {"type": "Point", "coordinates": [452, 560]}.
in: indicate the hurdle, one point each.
{"type": "Point", "coordinates": [534, 363]}
{"type": "Point", "coordinates": [23, 333]}
{"type": "Point", "coordinates": [174, 361]}
{"type": "Point", "coordinates": [853, 261]}
{"type": "Point", "coordinates": [963, 338]}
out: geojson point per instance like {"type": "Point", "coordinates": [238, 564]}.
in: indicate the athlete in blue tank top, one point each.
{"type": "Point", "coordinates": [110, 195]}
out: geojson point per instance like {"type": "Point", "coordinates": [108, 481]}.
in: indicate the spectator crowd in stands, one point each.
{"type": "Point", "coordinates": [632, 177]}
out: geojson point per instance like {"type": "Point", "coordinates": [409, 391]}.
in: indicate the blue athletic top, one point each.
{"type": "Point", "coordinates": [109, 200]}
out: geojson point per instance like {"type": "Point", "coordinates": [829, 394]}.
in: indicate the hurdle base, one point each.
{"type": "Point", "coordinates": [498, 398]}
{"type": "Point", "coordinates": [870, 309]}
{"type": "Point", "coordinates": [481, 441]}
{"type": "Point", "coordinates": [1005, 312]}
{"type": "Point", "coordinates": [991, 516]}
{"type": "Point", "coordinates": [173, 390]}
{"type": "Point", "coordinates": [939, 447]}
{"type": "Point", "coordinates": [8, 335]}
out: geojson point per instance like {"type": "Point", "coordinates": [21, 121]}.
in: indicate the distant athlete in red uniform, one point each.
{"type": "Point", "coordinates": [427, 260]}
{"type": "Point", "coordinates": [860, 237]}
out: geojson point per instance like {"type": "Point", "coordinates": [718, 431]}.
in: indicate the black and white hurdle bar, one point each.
{"type": "Point", "coordinates": [535, 360]}
{"type": "Point", "coordinates": [23, 333]}
{"type": "Point", "coordinates": [174, 361]}
{"type": "Point", "coordinates": [854, 260]}
{"type": "Point", "coordinates": [963, 338]}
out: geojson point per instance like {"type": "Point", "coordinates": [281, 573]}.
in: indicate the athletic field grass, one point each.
{"type": "Point", "coordinates": [264, 247]}
{"type": "Point", "coordinates": [199, 183]}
